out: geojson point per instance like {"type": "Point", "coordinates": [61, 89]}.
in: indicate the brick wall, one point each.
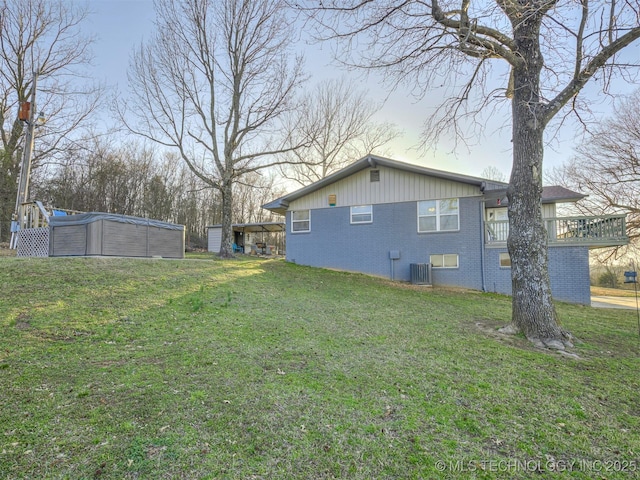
{"type": "Point", "coordinates": [568, 272]}
{"type": "Point", "coordinates": [335, 243]}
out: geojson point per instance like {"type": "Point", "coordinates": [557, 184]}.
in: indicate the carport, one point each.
{"type": "Point", "coordinates": [261, 237]}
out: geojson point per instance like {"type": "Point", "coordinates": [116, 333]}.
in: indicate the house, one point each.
{"type": "Point", "coordinates": [392, 219]}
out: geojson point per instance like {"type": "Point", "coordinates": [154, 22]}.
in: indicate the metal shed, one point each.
{"type": "Point", "coordinates": [105, 234]}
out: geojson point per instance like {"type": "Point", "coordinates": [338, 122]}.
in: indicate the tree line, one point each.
{"type": "Point", "coordinates": [138, 180]}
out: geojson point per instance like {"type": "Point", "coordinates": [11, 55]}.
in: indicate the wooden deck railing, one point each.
{"type": "Point", "coordinates": [602, 231]}
{"type": "Point", "coordinates": [36, 215]}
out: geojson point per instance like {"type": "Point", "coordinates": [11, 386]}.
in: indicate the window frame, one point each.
{"type": "Point", "coordinates": [443, 263]}
{"type": "Point", "coordinates": [351, 214]}
{"type": "Point", "coordinates": [294, 221]}
{"type": "Point", "coordinates": [438, 215]}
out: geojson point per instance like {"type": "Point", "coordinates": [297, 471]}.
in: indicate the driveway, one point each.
{"type": "Point", "coordinates": [613, 302]}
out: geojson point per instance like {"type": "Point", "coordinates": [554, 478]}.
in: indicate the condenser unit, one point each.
{"type": "Point", "coordinates": [420, 273]}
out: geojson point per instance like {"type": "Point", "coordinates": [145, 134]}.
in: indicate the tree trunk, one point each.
{"type": "Point", "coordinates": [533, 310]}
{"type": "Point", "coordinates": [226, 249]}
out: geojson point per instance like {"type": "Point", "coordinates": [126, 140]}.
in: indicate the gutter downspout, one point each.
{"type": "Point", "coordinates": [482, 247]}
{"type": "Point", "coordinates": [392, 273]}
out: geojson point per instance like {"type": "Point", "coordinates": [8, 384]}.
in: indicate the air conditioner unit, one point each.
{"type": "Point", "coordinates": [420, 273]}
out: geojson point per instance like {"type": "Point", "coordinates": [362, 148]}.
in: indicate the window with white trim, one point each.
{"type": "Point", "coordinates": [444, 260]}
{"type": "Point", "coordinates": [300, 221]}
{"type": "Point", "coordinates": [362, 214]}
{"type": "Point", "coordinates": [439, 215]}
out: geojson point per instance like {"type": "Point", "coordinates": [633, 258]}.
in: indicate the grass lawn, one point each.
{"type": "Point", "coordinates": [252, 369]}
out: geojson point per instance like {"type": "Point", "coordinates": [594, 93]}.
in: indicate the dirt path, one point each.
{"type": "Point", "coordinates": [601, 301]}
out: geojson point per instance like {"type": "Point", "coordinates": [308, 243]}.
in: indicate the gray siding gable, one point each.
{"type": "Point", "coordinates": [404, 181]}
{"type": "Point", "coordinates": [395, 186]}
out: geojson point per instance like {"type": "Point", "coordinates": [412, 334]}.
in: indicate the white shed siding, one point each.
{"type": "Point", "coordinates": [394, 186]}
{"type": "Point", "coordinates": [214, 239]}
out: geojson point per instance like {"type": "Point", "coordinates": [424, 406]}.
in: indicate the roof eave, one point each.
{"type": "Point", "coordinates": [278, 206]}
{"type": "Point", "coordinates": [281, 204]}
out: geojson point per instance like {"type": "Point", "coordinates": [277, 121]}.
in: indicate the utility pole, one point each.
{"type": "Point", "coordinates": [17, 222]}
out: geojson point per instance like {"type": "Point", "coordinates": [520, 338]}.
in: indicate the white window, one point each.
{"type": "Point", "coordinates": [362, 214]}
{"type": "Point", "coordinates": [301, 221]}
{"type": "Point", "coordinates": [438, 215]}
{"type": "Point", "coordinates": [505, 260]}
{"type": "Point", "coordinates": [446, 260]}
{"type": "Point", "coordinates": [497, 214]}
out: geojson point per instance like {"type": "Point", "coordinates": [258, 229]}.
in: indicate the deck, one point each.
{"type": "Point", "coordinates": [593, 232]}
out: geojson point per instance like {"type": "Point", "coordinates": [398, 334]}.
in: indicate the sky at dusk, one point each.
{"type": "Point", "coordinates": [120, 25]}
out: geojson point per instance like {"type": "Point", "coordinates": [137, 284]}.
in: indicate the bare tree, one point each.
{"type": "Point", "coordinates": [213, 84]}
{"type": "Point", "coordinates": [252, 192]}
{"type": "Point", "coordinates": [43, 38]}
{"type": "Point", "coordinates": [106, 176]}
{"type": "Point", "coordinates": [607, 167]}
{"type": "Point", "coordinates": [493, 173]}
{"type": "Point", "coordinates": [551, 50]}
{"type": "Point", "coordinates": [337, 120]}
{"type": "Point", "coordinates": [130, 178]}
